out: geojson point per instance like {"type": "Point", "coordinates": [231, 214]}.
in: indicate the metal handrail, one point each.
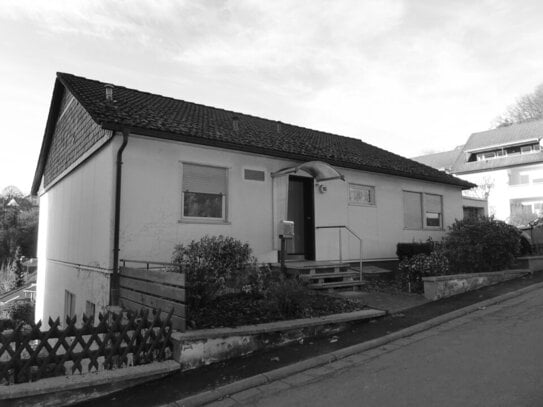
{"type": "Point", "coordinates": [339, 227]}
{"type": "Point", "coordinates": [148, 263]}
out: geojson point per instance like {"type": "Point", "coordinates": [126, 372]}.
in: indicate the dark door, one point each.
{"type": "Point", "coordinates": [301, 210]}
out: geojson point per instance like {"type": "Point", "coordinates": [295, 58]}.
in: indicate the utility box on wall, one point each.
{"type": "Point", "coordinates": [286, 229]}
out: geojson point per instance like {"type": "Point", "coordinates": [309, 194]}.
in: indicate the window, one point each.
{"type": "Point", "coordinates": [69, 304]}
{"type": "Point", "coordinates": [432, 207]}
{"type": "Point", "coordinates": [254, 175]}
{"type": "Point", "coordinates": [473, 212]}
{"type": "Point", "coordinates": [90, 310]}
{"type": "Point", "coordinates": [419, 208]}
{"type": "Point", "coordinates": [204, 192]}
{"type": "Point", "coordinates": [412, 210]}
{"type": "Point", "coordinates": [361, 195]}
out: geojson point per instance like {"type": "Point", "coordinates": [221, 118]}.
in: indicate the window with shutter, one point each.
{"type": "Point", "coordinates": [204, 192]}
{"type": "Point", "coordinates": [422, 211]}
{"type": "Point", "coordinates": [412, 210]}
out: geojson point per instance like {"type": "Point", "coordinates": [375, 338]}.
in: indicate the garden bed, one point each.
{"type": "Point", "coordinates": [238, 309]}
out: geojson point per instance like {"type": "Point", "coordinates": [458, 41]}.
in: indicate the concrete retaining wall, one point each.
{"type": "Point", "coordinates": [197, 348]}
{"type": "Point", "coordinates": [68, 390]}
{"type": "Point", "coordinates": [446, 286]}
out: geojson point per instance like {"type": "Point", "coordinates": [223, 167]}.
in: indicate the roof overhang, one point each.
{"type": "Point", "coordinates": [317, 169]}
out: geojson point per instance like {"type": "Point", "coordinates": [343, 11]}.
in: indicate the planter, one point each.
{"type": "Point", "coordinates": [446, 286]}
{"type": "Point", "coordinates": [197, 348]}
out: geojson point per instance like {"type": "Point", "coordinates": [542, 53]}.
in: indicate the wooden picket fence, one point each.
{"type": "Point", "coordinates": [152, 286]}
{"type": "Point", "coordinates": [118, 340]}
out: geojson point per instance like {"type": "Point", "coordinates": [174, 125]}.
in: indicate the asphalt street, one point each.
{"type": "Point", "coordinates": [492, 357]}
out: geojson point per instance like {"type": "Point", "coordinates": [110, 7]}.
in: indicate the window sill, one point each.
{"type": "Point", "coordinates": [361, 204]}
{"type": "Point", "coordinates": [436, 229]}
{"type": "Point", "coordinates": [204, 222]}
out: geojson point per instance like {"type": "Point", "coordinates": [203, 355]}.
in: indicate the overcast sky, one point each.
{"type": "Point", "coordinates": [409, 76]}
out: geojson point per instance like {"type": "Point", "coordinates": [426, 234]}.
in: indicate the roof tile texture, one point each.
{"type": "Point", "coordinates": [180, 119]}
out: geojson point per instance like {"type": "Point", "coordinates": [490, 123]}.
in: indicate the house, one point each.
{"type": "Point", "coordinates": [507, 165]}
{"type": "Point", "coordinates": [124, 174]}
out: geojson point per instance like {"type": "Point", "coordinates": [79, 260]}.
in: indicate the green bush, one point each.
{"type": "Point", "coordinates": [408, 250]}
{"type": "Point", "coordinates": [22, 310]}
{"type": "Point", "coordinates": [481, 245]}
{"type": "Point", "coordinates": [411, 270]}
{"type": "Point", "coordinates": [287, 297]}
{"type": "Point", "coordinates": [211, 265]}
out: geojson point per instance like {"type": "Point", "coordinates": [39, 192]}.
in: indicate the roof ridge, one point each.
{"type": "Point", "coordinates": [213, 107]}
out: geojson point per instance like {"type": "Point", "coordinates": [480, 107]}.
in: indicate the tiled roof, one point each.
{"type": "Point", "coordinates": [443, 161]}
{"type": "Point", "coordinates": [516, 133]}
{"type": "Point", "coordinates": [511, 135]}
{"type": "Point", "coordinates": [159, 116]}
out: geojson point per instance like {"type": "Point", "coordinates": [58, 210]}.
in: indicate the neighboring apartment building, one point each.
{"type": "Point", "coordinates": [507, 165]}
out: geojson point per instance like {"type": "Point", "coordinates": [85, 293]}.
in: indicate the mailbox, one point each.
{"type": "Point", "coordinates": [286, 229]}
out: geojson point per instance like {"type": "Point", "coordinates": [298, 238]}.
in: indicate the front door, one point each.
{"type": "Point", "coordinates": [301, 210]}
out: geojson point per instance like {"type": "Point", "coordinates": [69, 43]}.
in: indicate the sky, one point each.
{"type": "Point", "coordinates": [412, 77]}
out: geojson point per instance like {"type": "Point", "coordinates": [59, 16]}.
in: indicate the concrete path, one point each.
{"type": "Point", "coordinates": [391, 302]}
{"type": "Point", "coordinates": [492, 357]}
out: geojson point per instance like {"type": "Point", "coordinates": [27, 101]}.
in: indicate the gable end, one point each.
{"type": "Point", "coordinates": [75, 132]}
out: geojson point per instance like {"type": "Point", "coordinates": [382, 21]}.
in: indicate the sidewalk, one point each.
{"type": "Point", "coordinates": [490, 357]}
{"type": "Point", "coordinates": [239, 371]}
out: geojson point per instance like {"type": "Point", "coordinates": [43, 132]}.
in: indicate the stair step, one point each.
{"type": "Point", "coordinates": [371, 270]}
{"type": "Point", "coordinates": [317, 276]}
{"type": "Point", "coordinates": [339, 284]}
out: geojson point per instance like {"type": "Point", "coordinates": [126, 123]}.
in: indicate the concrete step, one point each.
{"type": "Point", "coordinates": [337, 285]}
{"type": "Point", "coordinates": [315, 276]}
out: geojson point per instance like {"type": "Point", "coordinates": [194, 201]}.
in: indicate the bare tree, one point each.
{"type": "Point", "coordinates": [526, 108]}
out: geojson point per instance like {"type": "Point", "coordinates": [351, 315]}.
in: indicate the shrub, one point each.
{"type": "Point", "coordinates": [408, 250]}
{"type": "Point", "coordinates": [411, 270]}
{"type": "Point", "coordinates": [481, 245]}
{"type": "Point", "coordinates": [287, 296]}
{"type": "Point", "coordinates": [211, 265]}
{"type": "Point", "coordinates": [22, 310]}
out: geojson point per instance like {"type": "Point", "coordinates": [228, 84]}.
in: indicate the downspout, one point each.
{"type": "Point", "coordinates": [114, 286]}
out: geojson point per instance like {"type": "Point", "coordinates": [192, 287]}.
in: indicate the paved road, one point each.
{"type": "Point", "coordinates": [493, 357]}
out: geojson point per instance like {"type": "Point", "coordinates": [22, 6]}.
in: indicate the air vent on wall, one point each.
{"type": "Point", "coordinates": [254, 175]}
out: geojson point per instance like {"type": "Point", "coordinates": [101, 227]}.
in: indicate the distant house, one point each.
{"type": "Point", "coordinates": [124, 174]}
{"type": "Point", "coordinates": [507, 165]}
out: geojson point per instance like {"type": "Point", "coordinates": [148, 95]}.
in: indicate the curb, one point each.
{"type": "Point", "coordinates": [277, 374]}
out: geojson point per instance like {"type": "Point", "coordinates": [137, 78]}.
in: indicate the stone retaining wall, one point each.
{"type": "Point", "coordinates": [446, 286]}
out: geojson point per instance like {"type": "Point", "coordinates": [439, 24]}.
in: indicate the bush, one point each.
{"type": "Point", "coordinates": [408, 250]}
{"type": "Point", "coordinates": [287, 296]}
{"type": "Point", "coordinates": [481, 245]}
{"type": "Point", "coordinates": [22, 310]}
{"type": "Point", "coordinates": [211, 265]}
{"type": "Point", "coordinates": [411, 270]}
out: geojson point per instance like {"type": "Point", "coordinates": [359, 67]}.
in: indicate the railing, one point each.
{"type": "Point", "coordinates": [155, 264]}
{"type": "Point", "coordinates": [153, 285]}
{"type": "Point", "coordinates": [339, 227]}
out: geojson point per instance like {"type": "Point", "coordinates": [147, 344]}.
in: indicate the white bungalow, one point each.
{"type": "Point", "coordinates": [124, 174]}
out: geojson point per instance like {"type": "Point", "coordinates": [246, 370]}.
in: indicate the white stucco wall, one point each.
{"type": "Point", "coordinates": [75, 237]}
{"type": "Point", "coordinates": [381, 226]}
{"type": "Point", "coordinates": [151, 205]}
{"type": "Point", "coordinates": [501, 192]}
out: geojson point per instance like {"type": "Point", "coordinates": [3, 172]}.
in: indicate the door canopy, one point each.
{"type": "Point", "coordinates": [317, 169]}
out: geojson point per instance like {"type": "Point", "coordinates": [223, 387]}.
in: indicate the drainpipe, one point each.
{"type": "Point", "coordinates": [114, 286]}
